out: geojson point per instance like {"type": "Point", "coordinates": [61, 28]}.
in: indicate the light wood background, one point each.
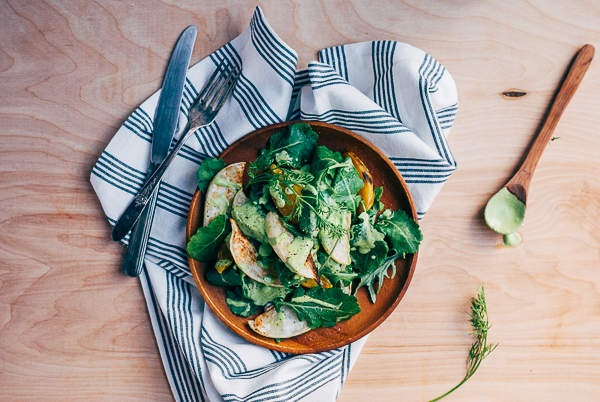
{"type": "Point", "coordinates": [72, 327]}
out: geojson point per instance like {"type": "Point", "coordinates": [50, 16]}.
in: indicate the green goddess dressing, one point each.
{"type": "Point", "coordinates": [504, 213]}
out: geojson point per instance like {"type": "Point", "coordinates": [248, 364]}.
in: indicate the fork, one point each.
{"type": "Point", "coordinates": [202, 112]}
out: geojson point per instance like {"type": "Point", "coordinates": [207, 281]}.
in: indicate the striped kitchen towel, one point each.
{"type": "Point", "coordinates": [395, 95]}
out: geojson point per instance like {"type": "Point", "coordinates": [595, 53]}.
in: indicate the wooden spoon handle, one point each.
{"type": "Point", "coordinates": [519, 184]}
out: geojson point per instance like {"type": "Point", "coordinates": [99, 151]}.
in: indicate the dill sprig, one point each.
{"type": "Point", "coordinates": [281, 181]}
{"type": "Point", "coordinates": [273, 175]}
{"type": "Point", "coordinates": [480, 348]}
{"type": "Point", "coordinates": [322, 212]}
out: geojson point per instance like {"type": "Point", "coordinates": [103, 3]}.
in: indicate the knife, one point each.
{"type": "Point", "coordinates": [165, 124]}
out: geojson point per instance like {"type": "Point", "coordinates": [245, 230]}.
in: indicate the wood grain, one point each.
{"type": "Point", "coordinates": [72, 327]}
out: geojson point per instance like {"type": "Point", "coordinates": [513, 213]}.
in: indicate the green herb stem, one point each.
{"type": "Point", "coordinates": [480, 348]}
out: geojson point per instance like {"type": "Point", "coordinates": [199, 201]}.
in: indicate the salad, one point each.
{"type": "Point", "coordinates": [298, 241]}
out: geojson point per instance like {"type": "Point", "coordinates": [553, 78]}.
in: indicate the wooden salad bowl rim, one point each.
{"type": "Point", "coordinates": [372, 315]}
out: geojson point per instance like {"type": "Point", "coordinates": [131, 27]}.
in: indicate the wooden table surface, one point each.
{"type": "Point", "coordinates": [72, 327]}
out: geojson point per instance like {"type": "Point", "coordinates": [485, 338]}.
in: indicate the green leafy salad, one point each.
{"type": "Point", "coordinates": [298, 241]}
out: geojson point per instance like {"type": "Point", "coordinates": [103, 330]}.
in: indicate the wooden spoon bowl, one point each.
{"type": "Point", "coordinates": [395, 196]}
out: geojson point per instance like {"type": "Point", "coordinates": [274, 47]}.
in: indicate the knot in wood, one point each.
{"type": "Point", "coordinates": [512, 94]}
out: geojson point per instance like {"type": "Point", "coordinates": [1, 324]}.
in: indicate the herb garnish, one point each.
{"type": "Point", "coordinates": [480, 348]}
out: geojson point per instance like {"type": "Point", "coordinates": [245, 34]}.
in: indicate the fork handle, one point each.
{"type": "Point", "coordinates": [135, 208]}
{"type": "Point", "coordinates": [134, 258]}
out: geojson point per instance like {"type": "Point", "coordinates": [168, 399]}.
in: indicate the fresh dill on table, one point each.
{"type": "Point", "coordinates": [480, 349]}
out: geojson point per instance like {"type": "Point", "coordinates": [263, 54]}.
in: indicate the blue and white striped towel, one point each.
{"type": "Point", "coordinates": [395, 95]}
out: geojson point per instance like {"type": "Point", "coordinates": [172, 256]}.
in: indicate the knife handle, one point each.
{"type": "Point", "coordinates": [134, 210]}
{"type": "Point", "coordinates": [134, 258]}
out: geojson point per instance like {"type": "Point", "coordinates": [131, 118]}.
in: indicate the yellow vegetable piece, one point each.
{"type": "Point", "coordinates": [311, 283]}
{"type": "Point", "coordinates": [224, 258]}
{"type": "Point", "coordinates": [325, 284]}
{"type": "Point", "coordinates": [221, 265]}
{"type": "Point", "coordinates": [288, 208]}
{"type": "Point", "coordinates": [367, 193]}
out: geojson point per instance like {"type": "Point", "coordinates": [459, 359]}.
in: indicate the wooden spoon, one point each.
{"type": "Point", "coordinates": [519, 184]}
{"type": "Point", "coordinates": [505, 211]}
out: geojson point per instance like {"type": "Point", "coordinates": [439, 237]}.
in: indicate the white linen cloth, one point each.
{"type": "Point", "coordinates": [395, 95]}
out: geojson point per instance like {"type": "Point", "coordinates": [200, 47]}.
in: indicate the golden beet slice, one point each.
{"type": "Point", "coordinates": [367, 193]}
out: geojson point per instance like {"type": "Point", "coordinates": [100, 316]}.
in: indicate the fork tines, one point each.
{"type": "Point", "coordinates": [219, 86]}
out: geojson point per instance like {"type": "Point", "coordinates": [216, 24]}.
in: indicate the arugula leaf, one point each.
{"type": "Point", "coordinates": [208, 169]}
{"type": "Point", "coordinates": [291, 147]}
{"type": "Point", "coordinates": [287, 278]}
{"type": "Point", "coordinates": [401, 231]}
{"type": "Point", "coordinates": [259, 194]}
{"type": "Point", "coordinates": [260, 293]}
{"type": "Point", "coordinates": [345, 276]}
{"type": "Point", "coordinates": [215, 279]}
{"type": "Point", "coordinates": [239, 304]}
{"type": "Point", "coordinates": [321, 307]}
{"type": "Point", "coordinates": [367, 262]}
{"type": "Point", "coordinates": [378, 206]}
{"type": "Point", "coordinates": [322, 160]}
{"type": "Point", "coordinates": [324, 260]}
{"type": "Point", "coordinates": [378, 193]}
{"type": "Point", "coordinates": [380, 273]}
{"type": "Point", "coordinates": [231, 276]}
{"type": "Point", "coordinates": [298, 141]}
{"type": "Point", "coordinates": [346, 184]}
{"type": "Point", "coordinates": [334, 271]}
{"type": "Point", "coordinates": [204, 245]}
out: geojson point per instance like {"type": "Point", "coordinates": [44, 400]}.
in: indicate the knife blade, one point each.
{"type": "Point", "coordinates": [165, 125]}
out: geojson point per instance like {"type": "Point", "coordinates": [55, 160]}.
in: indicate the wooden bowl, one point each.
{"type": "Point", "coordinates": [395, 196]}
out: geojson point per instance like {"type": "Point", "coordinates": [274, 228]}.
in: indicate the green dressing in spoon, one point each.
{"type": "Point", "coordinates": [512, 240]}
{"type": "Point", "coordinates": [504, 213]}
